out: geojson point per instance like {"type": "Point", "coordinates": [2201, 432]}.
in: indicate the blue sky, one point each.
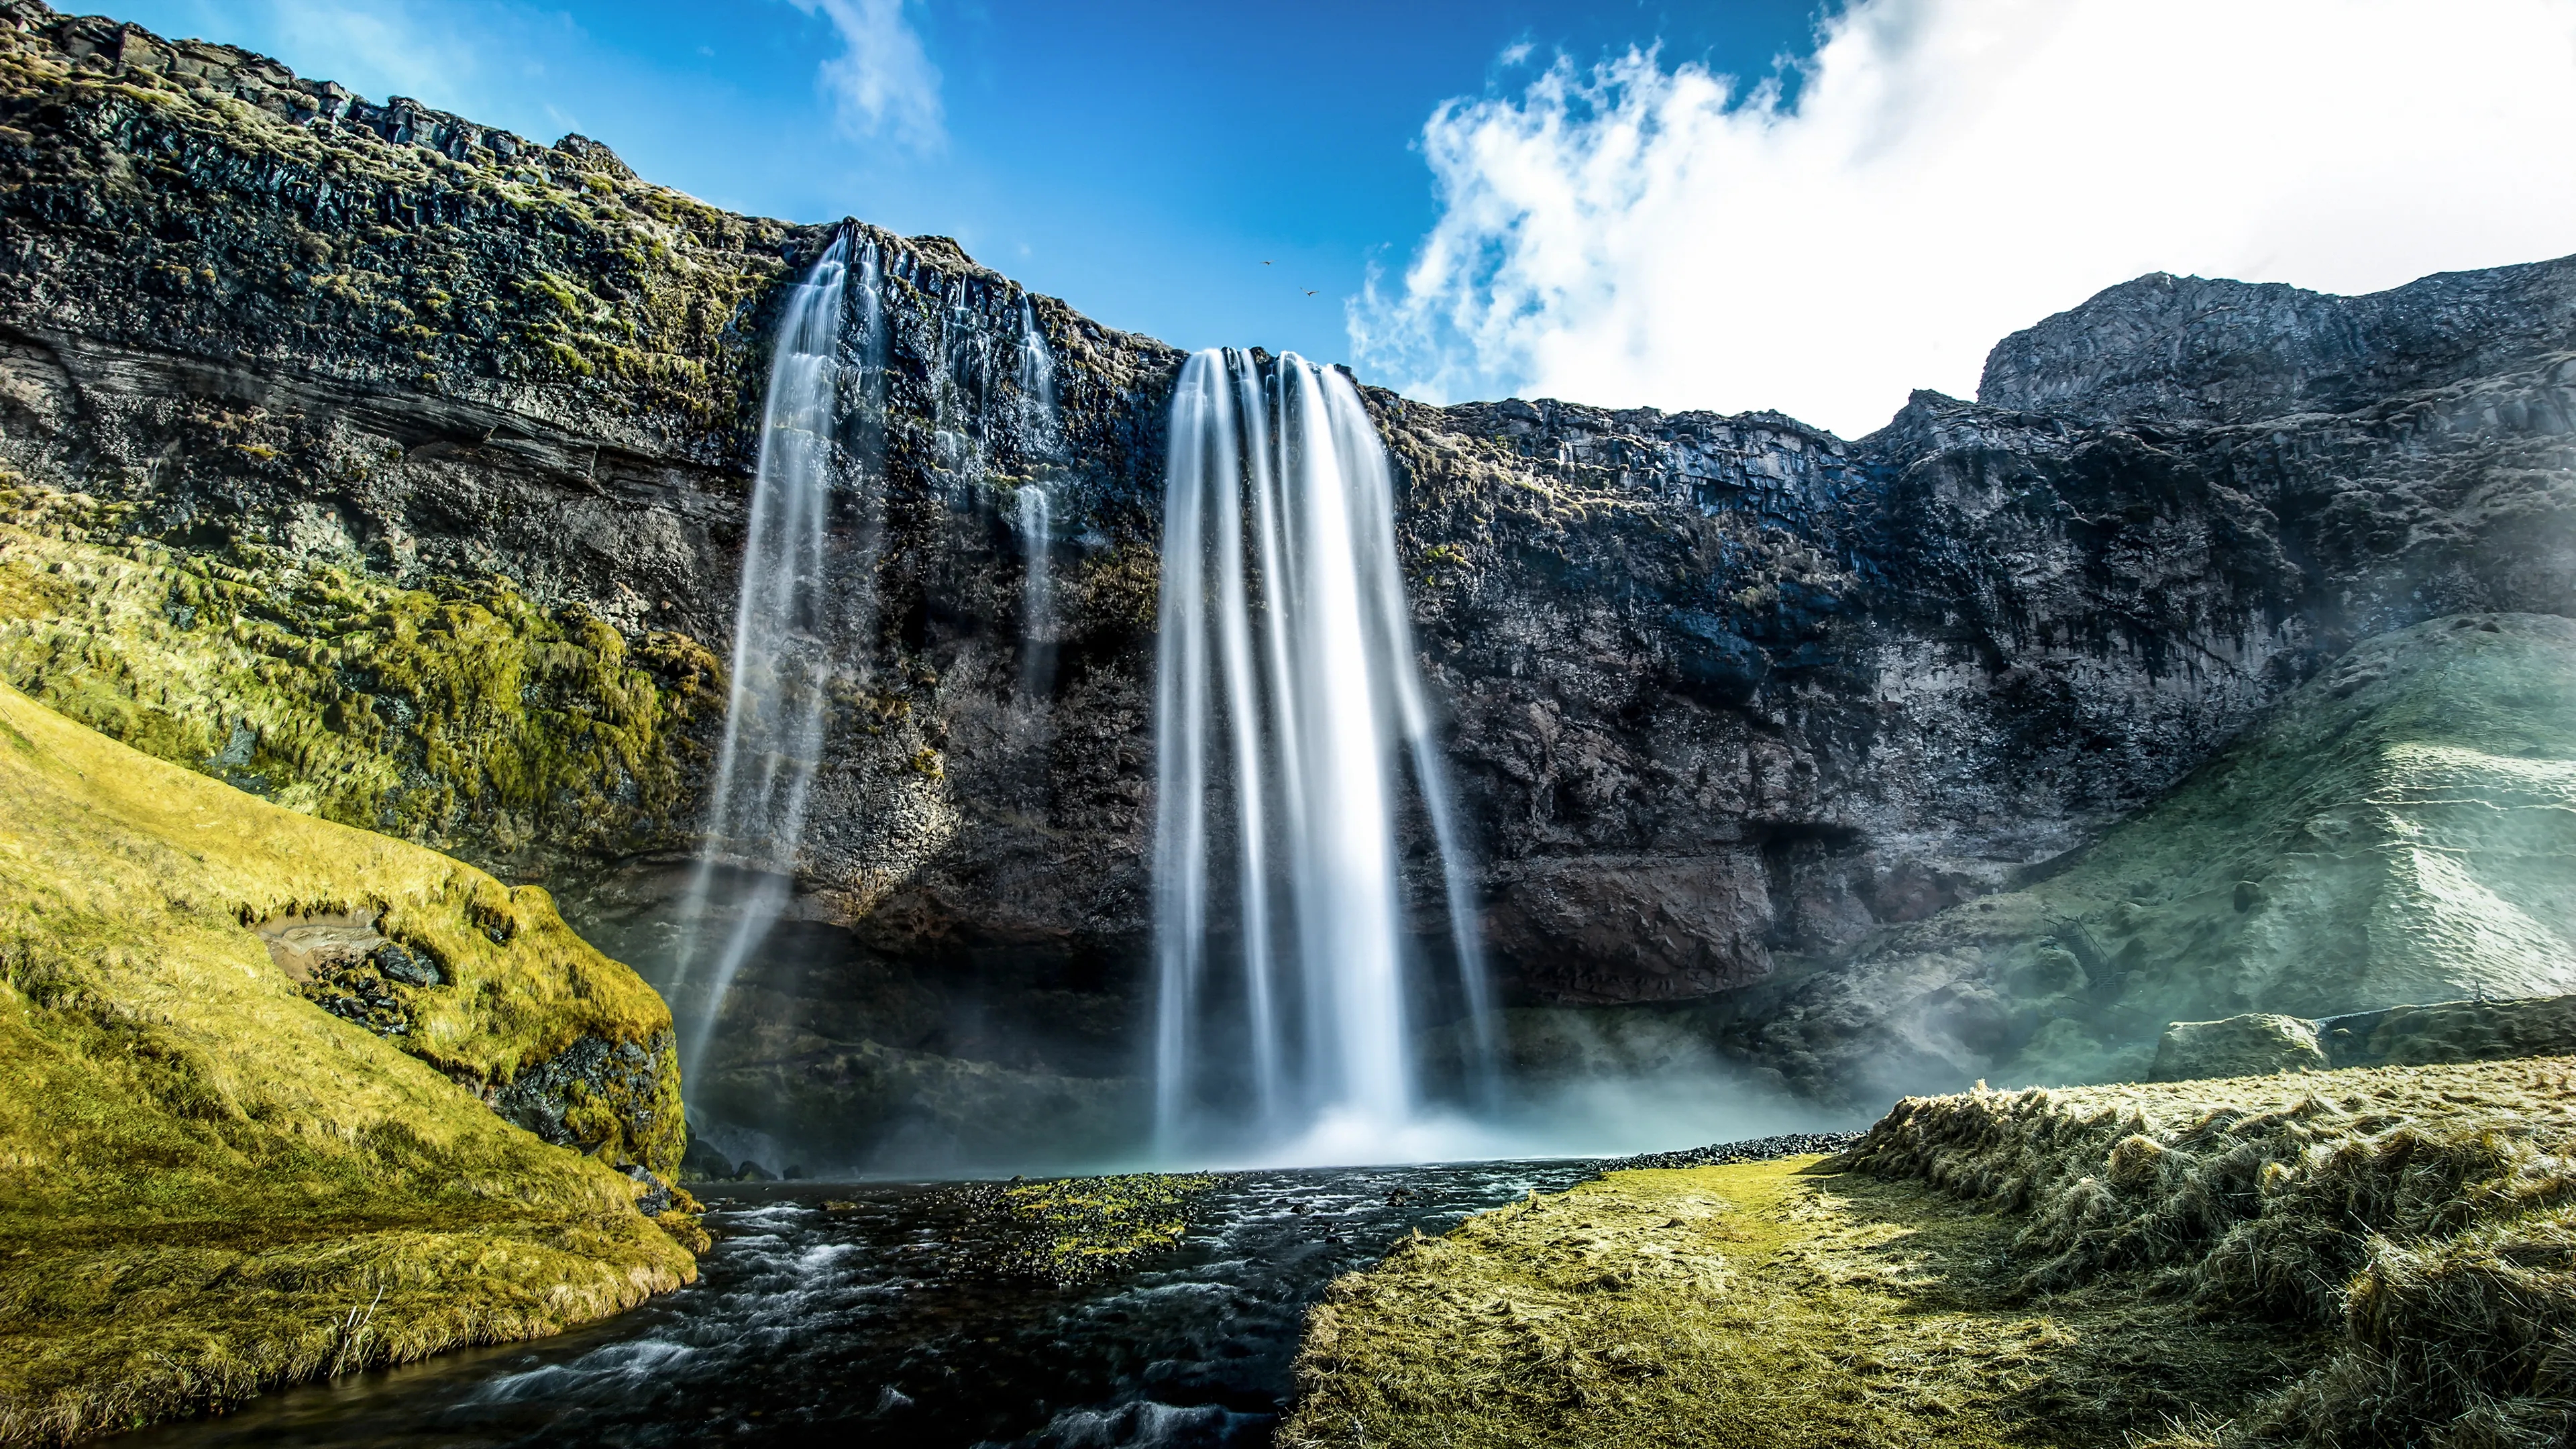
{"type": "Point", "coordinates": [1140, 160]}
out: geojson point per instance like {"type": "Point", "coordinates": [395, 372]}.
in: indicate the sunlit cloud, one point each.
{"type": "Point", "coordinates": [1947, 171]}
{"type": "Point", "coordinates": [882, 84]}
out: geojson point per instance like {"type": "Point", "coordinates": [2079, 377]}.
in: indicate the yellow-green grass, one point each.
{"type": "Point", "coordinates": [2424, 1216]}
{"type": "Point", "coordinates": [1755, 1306]}
{"type": "Point", "coordinates": [209, 1185]}
{"type": "Point", "coordinates": [2376, 1257]}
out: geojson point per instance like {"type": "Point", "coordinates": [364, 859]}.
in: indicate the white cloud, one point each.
{"type": "Point", "coordinates": [1953, 170]}
{"type": "Point", "coordinates": [884, 83]}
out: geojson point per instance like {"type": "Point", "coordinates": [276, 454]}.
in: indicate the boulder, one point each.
{"type": "Point", "coordinates": [2253, 1045]}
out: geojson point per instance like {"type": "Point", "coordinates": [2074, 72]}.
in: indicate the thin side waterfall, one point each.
{"type": "Point", "coordinates": [1037, 367]}
{"type": "Point", "coordinates": [1289, 714]}
{"type": "Point", "coordinates": [1044, 445]}
{"type": "Point", "coordinates": [782, 649]}
{"type": "Point", "coordinates": [1037, 586]}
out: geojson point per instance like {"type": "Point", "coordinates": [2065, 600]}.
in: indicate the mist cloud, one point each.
{"type": "Point", "coordinates": [1952, 170]}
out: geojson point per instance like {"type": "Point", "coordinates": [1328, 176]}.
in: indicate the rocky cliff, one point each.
{"type": "Point", "coordinates": [395, 467]}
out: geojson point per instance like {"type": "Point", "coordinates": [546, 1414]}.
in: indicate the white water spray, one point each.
{"type": "Point", "coordinates": [782, 652]}
{"type": "Point", "coordinates": [1287, 743]}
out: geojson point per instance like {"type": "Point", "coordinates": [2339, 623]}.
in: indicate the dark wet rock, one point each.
{"type": "Point", "coordinates": [703, 1163]}
{"type": "Point", "coordinates": [657, 1197]}
{"type": "Point", "coordinates": [753, 1172]}
{"type": "Point", "coordinates": [1758, 1149]}
{"type": "Point", "coordinates": [594, 1094]}
{"type": "Point", "coordinates": [398, 962]}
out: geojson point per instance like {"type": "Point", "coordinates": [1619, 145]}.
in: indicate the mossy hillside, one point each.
{"type": "Point", "coordinates": [462, 716]}
{"type": "Point", "coordinates": [209, 1184]}
{"type": "Point", "coordinates": [1763, 1305]}
{"type": "Point", "coordinates": [2401, 829]}
{"type": "Point", "coordinates": [2424, 1217]}
{"type": "Point", "coordinates": [111, 849]}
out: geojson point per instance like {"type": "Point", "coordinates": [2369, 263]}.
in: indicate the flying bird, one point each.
{"type": "Point", "coordinates": [1268, 264]}
{"type": "Point", "coordinates": [1310, 291]}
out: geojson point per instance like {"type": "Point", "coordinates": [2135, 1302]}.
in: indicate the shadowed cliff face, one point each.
{"type": "Point", "coordinates": [1723, 692]}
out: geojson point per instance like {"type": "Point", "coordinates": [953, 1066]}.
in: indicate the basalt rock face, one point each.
{"type": "Point", "coordinates": [2192, 349]}
{"type": "Point", "coordinates": [431, 446]}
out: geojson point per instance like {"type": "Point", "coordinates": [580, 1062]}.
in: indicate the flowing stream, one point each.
{"type": "Point", "coordinates": [1288, 709]}
{"type": "Point", "coordinates": [865, 1322]}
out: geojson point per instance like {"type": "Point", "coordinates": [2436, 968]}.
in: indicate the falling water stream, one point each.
{"type": "Point", "coordinates": [1288, 709]}
{"type": "Point", "coordinates": [782, 646]}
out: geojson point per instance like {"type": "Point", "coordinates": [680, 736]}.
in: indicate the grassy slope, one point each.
{"type": "Point", "coordinates": [1762, 1306]}
{"type": "Point", "coordinates": [207, 1184]}
{"type": "Point", "coordinates": [2403, 829]}
{"type": "Point", "coordinates": [2377, 1257]}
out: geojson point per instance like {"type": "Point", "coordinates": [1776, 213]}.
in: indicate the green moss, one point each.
{"type": "Point", "coordinates": [1076, 1229]}
{"type": "Point", "coordinates": [207, 1183]}
{"type": "Point", "coordinates": [2399, 830]}
{"type": "Point", "coordinates": [465, 716]}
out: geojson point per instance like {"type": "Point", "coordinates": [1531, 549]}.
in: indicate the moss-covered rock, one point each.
{"type": "Point", "coordinates": [1075, 1229]}
{"type": "Point", "coordinates": [2238, 1046]}
{"type": "Point", "coordinates": [209, 1183]}
{"type": "Point", "coordinates": [2435, 1032]}
{"type": "Point", "coordinates": [459, 714]}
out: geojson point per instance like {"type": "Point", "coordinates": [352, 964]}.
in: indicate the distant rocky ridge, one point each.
{"type": "Point", "coordinates": [1731, 698]}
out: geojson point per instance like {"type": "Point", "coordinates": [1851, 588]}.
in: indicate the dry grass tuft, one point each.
{"type": "Point", "coordinates": [2426, 1213]}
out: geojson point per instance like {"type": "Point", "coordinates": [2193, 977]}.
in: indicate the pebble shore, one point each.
{"type": "Point", "coordinates": [1758, 1149]}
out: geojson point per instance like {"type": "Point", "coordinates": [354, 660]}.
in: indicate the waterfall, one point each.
{"type": "Point", "coordinates": [1283, 748]}
{"type": "Point", "coordinates": [1037, 584]}
{"type": "Point", "coordinates": [1037, 367]}
{"type": "Point", "coordinates": [782, 644]}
